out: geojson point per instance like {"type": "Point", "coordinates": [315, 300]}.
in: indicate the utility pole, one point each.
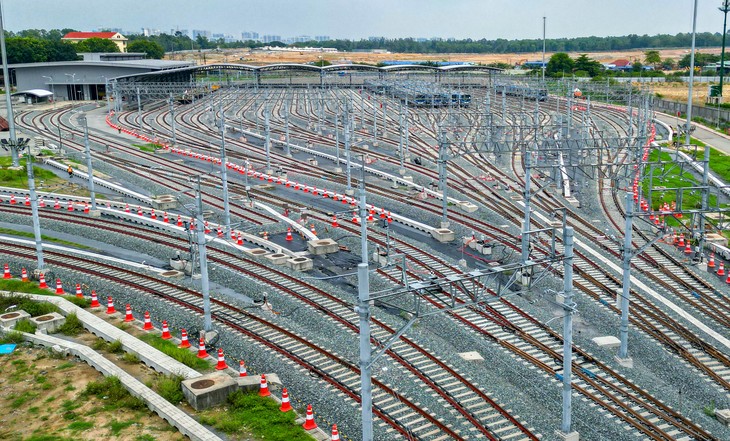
{"type": "Point", "coordinates": [569, 310]}
{"type": "Point", "coordinates": [89, 169]}
{"type": "Point", "coordinates": [623, 352]}
{"type": "Point", "coordinates": [8, 100]}
{"type": "Point", "coordinates": [725, 8]}
{"type": "Point", "coordinates": [224, 174]}
{"type": "Point", "coordinates": [287, 152]}
{"type": "Point", "coordinates": [543, 49]}
{"type": "Point", "coordinates": [139, 112]}
{"type": "Point", "coordinates": [526, 221]}
{"type": "Point", "coordinates": [443, 180]}
{"type": "Point", "coordinates": [34, 211]}
{"type": "Point", "coordinates": [348, 124]}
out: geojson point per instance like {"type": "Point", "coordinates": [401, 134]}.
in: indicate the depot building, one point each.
{"type": "Point", "coordinates": [81, 80]}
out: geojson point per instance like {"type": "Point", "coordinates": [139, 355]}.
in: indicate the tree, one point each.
{"type": "Point", "coordinates": [652, 57]}
{"type": "Point", "coordinates": [26, 50]}
{"type": "Point", "coordinates": [559, 63]}
{"type": "Point", "coordinates": [152, 49]}
{"type": "Point", "coordinates": [669, 64]}
{"type": "Point", "coordinates": [700, 60]}
{"type": "Point", "coordinates": [96, 45]}
{"type": "Point", "coordinates": [588, 65]}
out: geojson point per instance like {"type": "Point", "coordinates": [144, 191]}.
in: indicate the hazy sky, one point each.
{"type": "Point", "coordinates": [490, 19]}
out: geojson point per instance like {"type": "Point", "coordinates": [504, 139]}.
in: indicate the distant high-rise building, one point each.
{"type": "Point", "coordinates": [322, 38]}
{"type": "Point", "coordinates": [302, 38]}
{"type": "Point", "coordinates": [269, 38]}
{"type": "Point", "coordinates": [249, 35]}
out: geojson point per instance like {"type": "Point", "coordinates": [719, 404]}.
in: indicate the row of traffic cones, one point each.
{"type": "Point", "coordinates": [309, 423]}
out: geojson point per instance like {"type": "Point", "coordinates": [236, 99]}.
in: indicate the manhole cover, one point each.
{"type": "Point", "coordinates": [170, 273]}
{"type": "Point", "coordinates": [44, 318]}
{"type": "Point", "coordinates": [9, 316]}
{"type": "Point", "coordinates": [202, 384]}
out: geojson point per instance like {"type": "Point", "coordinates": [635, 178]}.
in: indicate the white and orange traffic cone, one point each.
{"type": "Point", "coordinates": [721, 270]}
{"type": "Point", "coordinates": [335, 433]}
{"type": "Point", "coordinates": [221, 361]}
{"type": "Point", "coordinates": [289, 237]}
{"type": "Point", "coordinates": [79, 293]}
{"type": "Point", "coordinates": [285, 404]}
{"type": "Point", "coordinates": [165, 331]}
{"type": "Point", "coordinates": [94, 300]}
{"type": "Point", "coordinates": [242, 369]}
{"type": "Point", "coordinates": [59, 287]}
{"type": "Point", "coordinates": [42, 203]}
{"type": "Point", "coordinates": [184, 343]}
{"type": "Point", "coordinates": [126, 208]}
{"type": "Point", "coordinates": [128, 317]}
{"type": "Point", "coordinates": [202, 353]}
{"type": "Point", "coordinates": [27, 201]}
{"type": "Point", "coordinates": [711, 262]}
{"type": "Point", "coordinates": [42, 282]}
{"type": "Point", "coordinates": [312, 229]}
{"type": "Point", "coordinates": [110, 305]}
{"type": "Point", "coordinates": [12, 199]}
{"type": "Point", "coordinates": [309, 423]}
{"type": "Point", "coordinates": [70, 206]}
{"type": "Point", "coordinates": [147, 322]}
{"type": "Point", "coordinates": [24, 275]}
{"type": "Point", "coordinates": [57, 205]}
{"type": "Point", "coordinates": [179, 221]}
{"type": "Point", "coordinates": [334, 222]}
{"type": "Point", "coordinates": [239, 240]}
{"type": "Point", "coordinates": [153, 215]}
{"type": "Point", "coordinates": [264, 387]}
{"type": "Point", "coordinates": [86, 208]}
{"type": "Point", "coordinates": [688, 248]}
{"type": "Point", "coordinates": [6, 272]}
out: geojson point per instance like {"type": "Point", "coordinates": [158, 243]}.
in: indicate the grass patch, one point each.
{"type": "Point", "coordinates": [80, 426]}
{"type": "Point", "coordinates": [145, 437]}
{"type": "Point", "coordinates": [117, 426]}
{"type": "Point", "coordinates": [72, 326]}
{"type": "Point", "coordinates": [30, 235]}
{"type": "Point", "coordinates": [25, 326]}
{"type": "Point", "coordinates": [78, 301]}
{"type": "Point", "coordinates": [99, 344]}
{"type": "Point", "coordinates": [22, 399]}
{"type": "Point", "coordinates": [113, 394]}
{"type": "Point", "coordinates": [115, 347]}
{"type": "Point", "coordinates": [259, 415]}
{"type": "Point", "coordinates": [130, 358]}
{"type": "Point", "coordinates": [30, 306]}
{"type": "Point", "coordinates": [19, 178]}
{"type": "Point", "coordinates": [184, 356]}
{"type": "Point", "coordinates": [149, 147]}
{"type": "Point", "coordinates": [12, 337]}
{"type": "Point", "coordinates": [168, 386]}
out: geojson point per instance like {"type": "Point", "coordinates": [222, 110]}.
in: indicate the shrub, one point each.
{"type": "Point", "coordinates": [12, 337]}
{"type": "Point", "coordinates": [116, 395]}
{"type": "Point", "coordinates": [115, 347]}
{"type": "Point", "coordinates": [25, 326]}
{"type": "Point", "coordinates": [73, 326]}
{"type": "Point", "coordinates": [169, 388]}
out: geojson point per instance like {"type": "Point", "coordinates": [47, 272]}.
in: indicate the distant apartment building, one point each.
{"type": "Point", "coordinates": [118, 39]}
{"type": "Point", "coordinates": [200, 33]}
{"type": "Point", "coordinates": [270, 38]}
{"type": "Point", "coordinates": [302, 38]}
{"type": "Point", "coordinates": [147, 32]}
{"type": "Point", "coordinates": [322, 38]}
{"type": "Point", "coordinates": [249, 35]}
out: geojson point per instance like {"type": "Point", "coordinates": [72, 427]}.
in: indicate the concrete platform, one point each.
{"type": "Point", "coordinates": [723, 415]}
{"type": "Point", "coordinates": [443, 235]}
{"type": "Point", "coordinates": [9, 319]}
{"type": "Point", "coordinates": [300, 263]}
{"type": "Point", "coordinates": [608, 342]}
{"type": "Point", "coordinates": [277, 258]}
{"type": "Point", "coordinates": [208, 390]}
{"type": "Point", "coordinates": [49, 322]}
{"type": "Point", "coordinates": [322, 246]}
{"type": "Point", "coordinates": [572, 436]}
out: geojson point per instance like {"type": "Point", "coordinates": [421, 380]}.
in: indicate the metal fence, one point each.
{"type": "Point", "coordinates": [709, 113]}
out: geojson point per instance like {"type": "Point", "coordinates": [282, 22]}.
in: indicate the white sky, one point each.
{"type": "Point", "coordinates": [476, 19]}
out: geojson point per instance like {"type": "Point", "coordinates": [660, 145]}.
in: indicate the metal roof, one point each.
{"type": "Point", "coordinates": [40, 93]}
{"type": "Point", "coordinates": [142, 64]}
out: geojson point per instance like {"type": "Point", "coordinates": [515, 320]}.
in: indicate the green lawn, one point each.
{"type": "Point", "coordinates": [184, 356]}
{"type": "Point", "coordinates": [149, 147]}
{"type": "Point", "coordinates": [19, 178]}
{"type": "Point", "coordinates": [45, 238]}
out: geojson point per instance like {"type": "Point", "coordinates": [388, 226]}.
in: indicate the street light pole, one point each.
{"type": "Point", "coordinates": [691, 76]}
{"type": "Point", "coordinates": [543, 49]}
{"type": "Point", "coordinates": [725, 8]}
{"type": "Point", "coordinates": [8, 100]}
{"type": "Point", "coordinates": [89, 169]}
{"type": "Point", "coordinates": [205, 288]}
{"type": "Point", "coordinates": [34, 211]}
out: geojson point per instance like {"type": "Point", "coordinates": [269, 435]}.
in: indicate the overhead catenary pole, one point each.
{"type": "Point", "coordinates": [172, 120]}
{"type": "Point", "coordinates": [89, 168]}
{"type": "Point", "coordinates": [224, 174]}
{"type": "Point", "coordinates": [34, 212]}
{"type": "Point", "coordinates": [568, 309]}
{"type": "Point", "coordinates": [543, 49]}
{"type": "Point", "coordinates": [443, 180]}
{"type": "Point", "coordinates": [287, 151]}
{"type": "Point", "coordinates": [526, 221]}
{"type": "Point", "coordinates": [725, 8]}
{"type": "Point", "coordinates": [267, 142]}
{"type": "Point", "coordinates": [8, 100]}
{"type": "Point", "coordinates": [623, 352]}
{"type": "Point", "coordinates": [139, 112]}
{"type": "Point", "coordinates": [205, 287]}
{"type": "Point", "coordinates": [363, 311]}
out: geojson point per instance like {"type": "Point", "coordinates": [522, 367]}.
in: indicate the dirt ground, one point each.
{"type": "Point", "coordinates": [40, 395]}
{"type": "Point", "coordinates": [266, 57]}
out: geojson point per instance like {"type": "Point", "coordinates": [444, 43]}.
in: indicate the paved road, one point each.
{"type": "Point", "coordinates": [704, 134]}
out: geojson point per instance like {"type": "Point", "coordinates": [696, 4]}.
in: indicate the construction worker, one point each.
{"type": "Point", "coordinates": [70, 172]}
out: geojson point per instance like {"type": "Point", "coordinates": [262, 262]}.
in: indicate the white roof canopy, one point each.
{"type": "Point", "coordinates": [40, 93]}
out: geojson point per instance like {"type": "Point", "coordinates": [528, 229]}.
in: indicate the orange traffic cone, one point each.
{"type": "Point", "coordinates": [314, 230]}
{"type": "Point", "coordinates": [711, 262]}
{"type": "Point", "coordinates": [201, 349]}
{"type": "Point", "coordinates": [242, 369]}
{"type": "Point", "coordinates": [264, 387]}
{"type": "Point", "coordinates": [688, 249]}
{"type": "Point", "coordinates": [94, 300]}
{"type": "Point", "coordinates": [24, 275]}
{"type": "Point", "coordinates": [221, 361]}
{"type": "Point", "coordinates": [390, 218]}
{"type": "Point", "coordinates": [147, 322]}
{"type": "Point", "coordinates": [165, 331]}
{"type": "Point", "coordinates": [721, 270]}
{"type": "Point", "coordinates": [70, 206]}
{"type": "Point", "coordinates": [153, 216]}
{"type": "Point", "coordinates": [59, 287]}
{"type": "Point", "coordinates": [335, 433]}
{"type": "Point", "coordinates": [681, 240]}
{"type": "Point", "coordinates": [179, 221]}
{"type": "Point", "coordinates": [42, 203]}
{"type": "Point", "coordinates": [42, 282]}
{"type": "Point", "coordinates": [309, 423]}
{"type": "Point", "coordinates": [184, 343]}
{"type": "Point", "coordinates": [79, 293]}
{"type": "Point", "coordinates": [728, 279]}
{"type": "Point", "coordinates": [57, 205]}
{"type": "Point", "coordinates": [128, 317]}
{"type": "Point", "coordinates": [27, 201]}
{"type": "Point", "coordinates": [165, 219]}
{"type": "Point", "coordinates": [334, 222]}
{"type": "Point", "coordinates": [139, 211]}
{"type": "Point", "coordinates": [12, 199]}
{"type": "Point", "coordinates": [289, 238]}
{"type": "Point", "coordinates": [285, 404]}
{"type": "Point", "coordinates": [6, 272]}
{"type": "Point", "coordinates": [86, 208]}
{"type": "Point", "coordinates": [239, 240]}
{"type": "Point", "coordinates": [126, 208]}
{"type": "Point", "coordinates": [110, 305]}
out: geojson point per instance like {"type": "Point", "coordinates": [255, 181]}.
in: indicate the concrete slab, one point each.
{"type": "Point", "coordinates": [208, 390]}
{"type": "Point", "coordinates": [443, 235]}
{"type": "Point", "coordinates": [723, 415]}
{"type": "Point", "coordinates": [322, 246]}
{"type": "Point", "coordinates": [300, 263]}
{"type": "Point", "coordinates": [9, 319]}
{"type": "Point", "coordinates": [49, 322]}
{"type": "Point", "coordinates": [471, 356]}
{"type": "Point", "coordinates": [608, 342]}
{"type": "Point", "coordinates": [277, 258]}
{"type": "Point", "coordinates": [572, 436]}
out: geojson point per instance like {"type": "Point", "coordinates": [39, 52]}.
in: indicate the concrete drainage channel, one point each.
{"type": "Point", "coordinates": [202, 391]}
